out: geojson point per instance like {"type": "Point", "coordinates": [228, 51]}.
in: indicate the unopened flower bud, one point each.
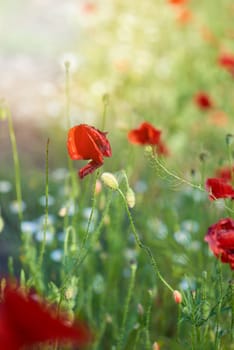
{"type": "Point", "coordinates": [98, 187]}
{"type": "Point", "coordinates": [1, 224]}
{"type": "Point", "coordinates": [69, 293]}
{"type": "Point", "coordinates": [177, 297]}
{"type": "Point", "coordinates": [140, 309]}
{"type": "Point", "coordinates": [203, 156]}
{"type": "Point", "coordinates": [229, 139]}
{"type": "Point", "coordinates": [110, 180]}
{"type": "Point", "coordinates": [130, 198]}
{"type": "Point", "coordinates": [108, 318]}
{"type": "Point", "coordinates": [155, 346]}
{"type": "Point", "coordinates": [105, 98]}
{"type": "Point", "coordinates": [204, 275]}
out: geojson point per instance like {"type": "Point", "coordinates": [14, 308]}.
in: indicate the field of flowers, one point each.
{"type": "Point", "coordinates": [116, 214]}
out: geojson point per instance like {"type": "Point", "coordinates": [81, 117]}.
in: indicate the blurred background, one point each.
{"type": "Point", "coordinates": [150, 57]}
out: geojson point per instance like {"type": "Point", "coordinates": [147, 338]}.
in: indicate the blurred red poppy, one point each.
{"type": "Point", "coordinates": [146, 134]}
{"type": "Point", "coordinates": [184, 15]}
{"type": "Point", "coordinates": [86, 142]}
{"type": "Point", "coordinates": [227, 62]}
{"type": "Point", "coordinates": [208, 35]}
{"type": "Point", "coordinates": [177, 2]}
{"type": "Point", "coordinates": [162, 148]}
{"type": "Point", "coordinates": [225, 173]}
{"type": "Point", "coordinates": [24, 322]}
{"type": "Point", "coordinates": [203, 100]}
{"type": "Point", "coordinates": [220, 238]}
{"type": "Point", "coordinates": [218, 118]}
{"type": "Point", "coordinates": [89, 7]}
{"type": "Point", "coordinates": [218, 188]}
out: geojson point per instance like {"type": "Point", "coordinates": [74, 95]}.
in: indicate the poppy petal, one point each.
{"type": "Point", "coordinates": [88, 143]}
{"type": "Point", "coordinates": [88, 169]}
{"type": "Point", "coordinates": [26, 322]}
{"type": "Point", "coordinates": [218, 188]}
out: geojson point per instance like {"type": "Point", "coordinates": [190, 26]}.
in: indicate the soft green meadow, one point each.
{"type": "Point", "coordinates": [113, 253]}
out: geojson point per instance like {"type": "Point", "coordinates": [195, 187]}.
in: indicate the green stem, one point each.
{"type": "Point", "coordinates": [171, 174]}
{"type": "Point", "coordinates": [203, 171]}
{"type": "Point", "coordinates": [91, 214]}
{"type": "Point", "coordinates": [67, 94]}
{"type": "Point", "coordinates": [105, 100]}
{"type": "Point", "coordinates": [232, 308]}
{"type": "Point", "coordinates": [74, 185]}
{"type": "Point", "coordinates": [143, 246]}
{"type": "Point", "coordinates": [42, 250]}
{"type": "Point", "coordinates": [96, 233]}
{"type": "Point", "coordinates": [70, 231]}
{"type": "Point", "coordinates": [126, 306]}
{"type": "Point", "coordinates": [147, 323]}
{"type": "Point", "coordinates": [16, 164]}
{"type": "Point", "coordinates": [218, 315]}
{"type": "Point", "coordinates": [11, 267]}
{"type": "Point", "coordinates": [82, 253]}
{"type": "Point", "coordinates": [229, 140]}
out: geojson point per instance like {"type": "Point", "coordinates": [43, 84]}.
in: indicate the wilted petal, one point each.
{"type": "Point", "coordinates": [88, 169]}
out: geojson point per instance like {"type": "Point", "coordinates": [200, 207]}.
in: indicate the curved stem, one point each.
{"type": "Point", "coordinates": [142, 245]}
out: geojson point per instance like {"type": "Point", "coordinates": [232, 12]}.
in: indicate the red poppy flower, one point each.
{"type": "Point", "coordinates": [219, 118]}
{"type": "Point", "coordinates": [203, 101]}
{"type": "Point", "coordinates": [162, 149]}
{"type": "Point", "coordinates": [218, 188]}
{"type": "Point", "coordinates": [220, 238]}
{"type": "Point", "coordinates": [24, 322]}
{"type": "Point", "coordinates": [227, 62]}
{"type": "Point", "coordinates": [184, 15]}
{"type": "Point", "coordinates": [225, 173]}
{"type": "Point", "coordinates": [86, 142]}
{"type": "Point", "coordinates": [146, 134]}
{"type": "Point", "coordinates": [89, 7]}
{"type": "Point", "coordinates": [177, 2]}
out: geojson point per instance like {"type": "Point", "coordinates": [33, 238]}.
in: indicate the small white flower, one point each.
{"type": "Point", "coordinates": [5, 186]}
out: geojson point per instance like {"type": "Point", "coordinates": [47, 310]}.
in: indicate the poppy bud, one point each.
{"type": "Point", "coordinates": [98, 187]}
{"type": "Point", "coordinates": [69, 293]}
{"type": "Point", "coordinates": [204, 275]}
{"type": "Point", "coordinates": [1, 224]}
{"type": "Point", "coordinates": [229, 139]}
{"type": "Point", "coordinates": [140, 309]}
{"type": "Point", "coordinates": [130, 198]}
{"type": "Point", "coordinates": [177, 297]}
{"type": "Point", "coordinates": [155, 346]}
{"type": "Point", "coordinates": [110, 180]}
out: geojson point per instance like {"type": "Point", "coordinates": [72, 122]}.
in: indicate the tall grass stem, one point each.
{"type": "Point", "coordinates": [16, 164]}
{"type": "Point", "coordinates": [126, 307]}
{"type": "Point", "coordinates": [45, 227]}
